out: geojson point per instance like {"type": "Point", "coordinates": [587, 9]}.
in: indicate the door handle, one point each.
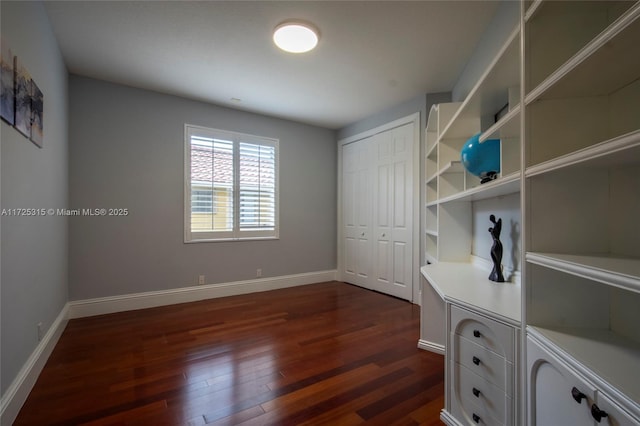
{"type": "Point", "coordinates": [577, 395]}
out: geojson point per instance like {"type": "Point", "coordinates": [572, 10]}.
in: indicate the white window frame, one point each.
{"type": "Point", "coordinates": [236, 234]}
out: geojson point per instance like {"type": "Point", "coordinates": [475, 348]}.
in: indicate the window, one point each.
{"type": "Point", "coordinates": [231, 185]}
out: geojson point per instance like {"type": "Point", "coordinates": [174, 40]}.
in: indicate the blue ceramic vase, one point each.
{"type": "Point", "coordinates": [481, 159]}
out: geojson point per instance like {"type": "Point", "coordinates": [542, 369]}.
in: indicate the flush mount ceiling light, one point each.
{"type": "Point", "coordinates": [295, 36]}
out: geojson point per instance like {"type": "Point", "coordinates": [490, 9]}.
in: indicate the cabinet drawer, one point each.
{"type": "Point", "coordinates": [482, 393]}
{"type": "Point", "coordinates": [486, 332]}
{"type": "Point", "coordinates": [483, 362]}
{"type": "Point", "coordinates": [468, 413]}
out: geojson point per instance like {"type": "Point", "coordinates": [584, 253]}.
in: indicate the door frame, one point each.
{"type": "Point", "coordinates": [409, 119]}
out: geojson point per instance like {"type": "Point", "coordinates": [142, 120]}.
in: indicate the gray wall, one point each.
{"type": "Point", "coordinates": [34, 249]}
{"type": "Point", "coordinates": [127, 151]}
{"type": "Point", "coordinates": [403, 109]}
{"type": "Point", "coordinates": [502, 24]}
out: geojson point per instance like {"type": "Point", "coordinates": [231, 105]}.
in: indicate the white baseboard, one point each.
{"type": "Point", "coordinates": [431, 347]}
{"type": "Point", "coordinates": [128, 302]}
{"type": "Point", "coordinates": [448, 419]}
{"type": "Point", "coordinates": [19, 389]}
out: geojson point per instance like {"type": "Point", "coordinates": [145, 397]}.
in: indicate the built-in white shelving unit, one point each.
{"type": "Point", "coordinates": [582, 202]}
{"type": "Point", "coordinates": [457, 209]}
{"type": "Point", "coordinates": [449, 189]}
{"type": "Point", "coordinates": [570, 171]}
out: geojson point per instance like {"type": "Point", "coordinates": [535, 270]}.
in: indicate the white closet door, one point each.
{"type": "Point", "coordinates": [357, 212]}
{"type": "Point", "coordinates": [393, 212]}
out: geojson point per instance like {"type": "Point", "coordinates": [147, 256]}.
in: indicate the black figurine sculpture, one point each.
{"type": "Point", "coordinates": [496, 250]}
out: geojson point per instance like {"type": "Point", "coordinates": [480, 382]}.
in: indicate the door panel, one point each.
{"type": "Point", "coordinates": [356, 202]}
{"type": "Point", "coordinates": [551, 388]}
{"type": "Point", "coordinates": [400, 195]}
{"type": "Point", "coordinates": [399, 261]}
{"type": "Point", "coordinates": [393, 215]}
{"type": "Point", "coordinates": [382, 265]}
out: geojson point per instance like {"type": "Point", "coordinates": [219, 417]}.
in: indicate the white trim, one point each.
{"type": "Point", "coordinates": [19, 389]}
{"type": "Point", "coordinates": [431, 347]}
{"type": "Point", "coordinates": [415, 118]}
{"type": "Point", "coordinates": [448, 419]}
{"type": "Point", "coordinates": [128, 302]}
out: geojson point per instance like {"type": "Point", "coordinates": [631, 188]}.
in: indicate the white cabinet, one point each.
{"type": "Point", "coordinates": [560, 395]}
{"type": "Point", "coordinates": [377, 210]}
{"type": "Point", "coordinates": [481, 360]}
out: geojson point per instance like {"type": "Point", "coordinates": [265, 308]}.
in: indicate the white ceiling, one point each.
{"type": "Point", "coordinates": [371, 55]}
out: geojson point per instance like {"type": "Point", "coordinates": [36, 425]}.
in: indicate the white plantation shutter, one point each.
{"type": "Point", "coordinates": [257, 187]}
{"type": "Point", "coordinates": [211, 184]}
{"type": "Point", "coordinates": [230, 185]}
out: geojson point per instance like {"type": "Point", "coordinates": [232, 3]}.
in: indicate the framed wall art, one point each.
{"type": "Point", "coordinates": [37, 115]}
{"type": "Point", "coordinates": [7, 89]}
{"type": "Point", "coordinates": [23, 99]}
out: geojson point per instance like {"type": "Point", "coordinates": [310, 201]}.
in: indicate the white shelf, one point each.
{"type": "Point", "coordinates": [601, 67]}
{"type": "Point", "coordinates": [431, 232]}
{"type": "Point", "coordinates": [614, 359]}
{"type": "Point", "coordinates": [532, 9]}
{"type": "Point", "coordinates": [432, 120]}
{"type": "Point", "coordinates": [507, 127]}
{"type": "Point", "coordinates": [432, 177]}
{"type": "Point", "coordinates": [452, 167]}
{"type": "Point", "coordinates": [491, 91]}
{"type": "Point", "coordinates": [502, 186]}
{"type": "Point", "coordinates": [620, 150]}
{"type": "Point", "coordinates": [615, 271]}
{"type": "Point", "coordinates": [467, 284]}
{"type": "Point", "coordinates": [431, 148]}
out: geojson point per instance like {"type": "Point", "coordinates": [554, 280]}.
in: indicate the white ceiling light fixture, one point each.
{"type": "Point", "coordinates": [296, 36]}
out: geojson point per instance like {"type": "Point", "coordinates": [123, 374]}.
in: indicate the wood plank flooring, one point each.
{"type": "Point", "coordinates": [328, 353]}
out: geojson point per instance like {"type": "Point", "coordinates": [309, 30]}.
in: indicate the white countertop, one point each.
{"type": "Point", "coordinates": [467, 284]}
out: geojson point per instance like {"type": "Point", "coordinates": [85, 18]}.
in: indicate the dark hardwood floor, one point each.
{"type": "Point", "coordinates": [329, 353]}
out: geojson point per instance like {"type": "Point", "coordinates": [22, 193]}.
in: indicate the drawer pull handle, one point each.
{"type": "Point", "coordinates": [476, 418]}
{"type": "Point", "coordinates": [476, 393]}
{"type": "Point", "coordinates": [577, 395]}
{"type": "Point", "coordinates": [476, 360]}
{"type": "Point", "coordinates": [597, 413]}
{"type": "Point", "coordinates": [476, 333]}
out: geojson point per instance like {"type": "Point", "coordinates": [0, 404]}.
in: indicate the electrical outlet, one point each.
{"type": "Point", "coordinates": [258, 273]}
{"type": "Point", "coordinates": [200, 279]}
{"type": "Point", "coordinates": [39, 326]}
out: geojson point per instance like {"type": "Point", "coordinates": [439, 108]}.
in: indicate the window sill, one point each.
{"type": "Point", "coordinates": [227, 240]}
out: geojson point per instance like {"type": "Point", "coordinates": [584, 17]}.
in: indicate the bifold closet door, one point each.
{"type": "Point", "coordinates": [356, 211]}
{"type": "Point", "coordinates": [392, 230]}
